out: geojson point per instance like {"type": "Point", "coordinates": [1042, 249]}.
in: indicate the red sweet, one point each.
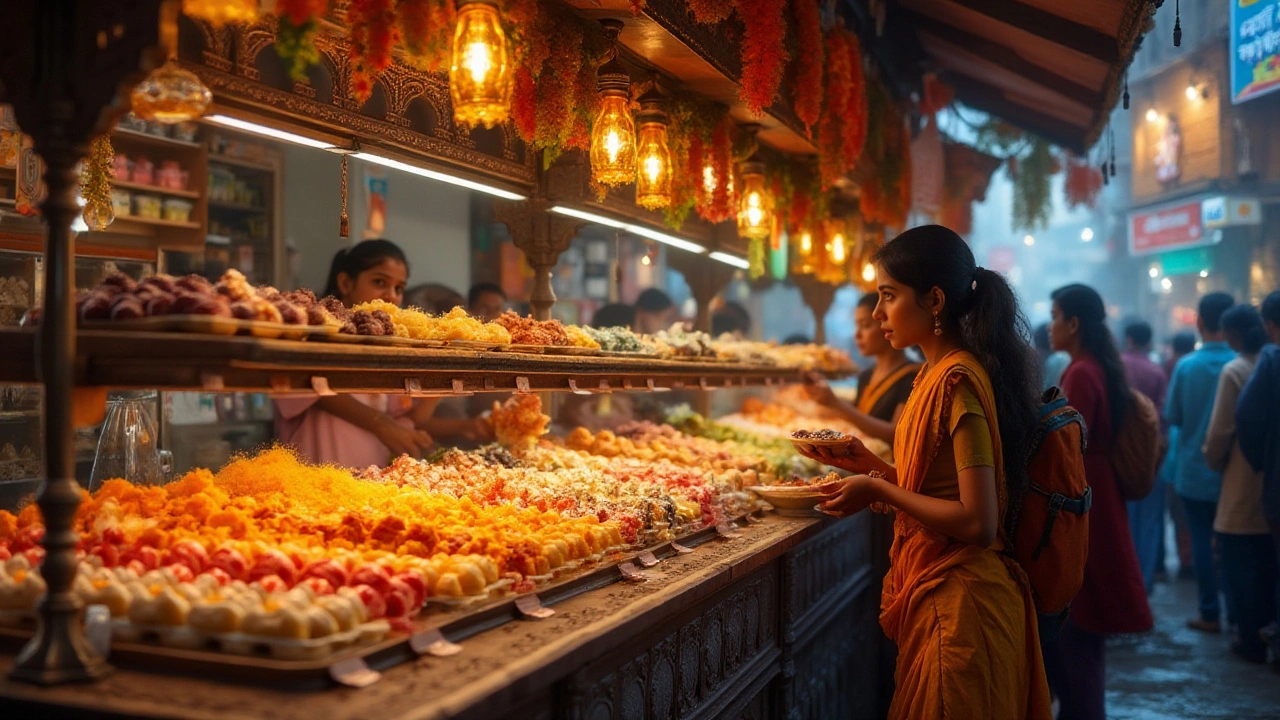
{"type": "Point", "coordinates": [35, 555]}
{"type": "Point", "coordinates": [113, 535]}
{"type": "Point", "coordinates": [180, 572]}
{"type": "Point", "coordinates": [329, 570]}
{"type": "Point", "coordinates": [146, 555]}
{"type": "Point", "coordinates": [374, 604]}
{"type": "Point", "coordinates": [272, 583]}
{"type": "Point", "coordinates": [400, 600]}
{"type": "Point", "coordinates": [415, 582]}
{"type": "Point", "coordinates": [274, 562]}
{"type": "Point", "coordinates": [4, 552]}
{"type": "Point", "coordinates": [109, 553]}
{"type": "Point", "coordinates": [218, 574]}
{"type": "Point", "coordinates": [318, 585]}
{"type": "Point", "coordinates": [375, 576]}
{"type": "Point", "coordinates": [136, 566]}
{"type": "Point", "coordinates": [189, 553]}
{"type": "Point", "coordinates": [231, 562]}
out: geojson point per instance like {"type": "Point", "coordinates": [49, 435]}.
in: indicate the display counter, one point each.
{"type": "Point", "coordinates": [783, 616]}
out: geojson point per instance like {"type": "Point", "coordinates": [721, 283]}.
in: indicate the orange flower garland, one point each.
{"type": "Point", "coordinates": [764, 54]}
{"type": "Point", "coordinates": [809, 61]}
{"type": "Point", "coordinates": [716, 200]}
{"type": "Point", "coordinates": [835, 110]}
{"type": "Point", "coordinates": [854, 128]}
{"type": "Point", "coordinates": [299, 21]}
{"type": "Point", "coordinates": [688, 131]}
{"type": "Point", "coordinates": [426, 27]}
{"type": "Point", "coordinates": [373, 33]}
{"type": "Point", "coordinates": [709, 12]}
{"type": "Point", "coordinates": [1083, 183]}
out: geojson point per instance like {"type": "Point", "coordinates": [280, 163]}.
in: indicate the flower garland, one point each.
{"type": "Point", "coordinates": [688, 132]}
{"type": "Point", "coordinates": [709, 12]}
{"type": "Point", "coordinates": [764, 52]}
{"type": "Point", "coordinates": [426, 28]}
{"type": "Point", "coordinates": [855, 121]}
{"type": "Point", "coordinates": [374, 32]}
{"type": "Point", "coordinates": [809, 60]}
{"type": "Point", "coordinates": [884, 172]}
{"type": "Point", "coordinates": [296, 29]}
{"type": "Point", "coordinates": [835, 109]}
{"type": "Point", "coordinates": [221, 12]}
{"type": "Point", "coordinates": [716, 200]}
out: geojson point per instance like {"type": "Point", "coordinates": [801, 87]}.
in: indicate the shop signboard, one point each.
{"type": "Point", "coordinates": [1189, 261]}
{"type": "Point", "coordinates": [1168, 227]}
{"type": "Point", "coordinates": [1222, 211]}
{"type": "Point", "coordinates": [1255, 48]}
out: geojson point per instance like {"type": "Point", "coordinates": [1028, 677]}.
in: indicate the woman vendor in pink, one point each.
{"type": "Point", "coordinates": [357, 430]}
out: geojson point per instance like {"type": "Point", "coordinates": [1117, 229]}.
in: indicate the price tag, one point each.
{"type": "Point", "coordinates": [647, 558]}
{"type": "Point", "coordinates": [522, 384]}
{"type": "Point", "coordinates": [321, 386]}
{"type": "Point", "coordinates": [531, 608]}
{"type": "Point", "coordinates": [727, 531]}
{"type": "Point", "coordinates": [631, 573]}
{"type": "Point", "coordinates": [766, 507]}
{"type": "Point", "coordinates": [281, 384]}
{"type": "Point", "coordinates": [753, 520]}
{"type": "Point", "coordinates": [681, 549]}
{"type": "Point", "coordinates": [353, 672]}
{"type": "Point", "coordinates": [573, 388]}
{"type": "Point", "coordinates": [459, 387]}
{"type": "Point", "coordinates": [432, 642]}
{"type": "Point", "coordinates": [211, 382]}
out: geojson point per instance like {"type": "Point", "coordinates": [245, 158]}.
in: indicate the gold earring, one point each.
{"type": "Point", "coordinates": [937, 324]}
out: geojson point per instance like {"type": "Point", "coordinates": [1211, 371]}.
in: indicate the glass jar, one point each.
{"type": "Point", "coordinates": [129, 446]}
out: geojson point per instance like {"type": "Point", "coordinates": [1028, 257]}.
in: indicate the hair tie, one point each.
{"type": "Point", "coordinates": [976, 272]}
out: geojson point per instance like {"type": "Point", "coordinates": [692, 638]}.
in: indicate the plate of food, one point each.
{"type": "Point", "coordinates": [825, 437]}
{"type": "Point", "coordinates": [798, 498]}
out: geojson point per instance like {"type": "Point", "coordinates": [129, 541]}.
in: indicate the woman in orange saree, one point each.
{"type": "Point", "coordinates": [960, 611]}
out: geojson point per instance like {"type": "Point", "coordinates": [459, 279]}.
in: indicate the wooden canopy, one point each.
{"type": "Point", "coordinates": [1051, 67]}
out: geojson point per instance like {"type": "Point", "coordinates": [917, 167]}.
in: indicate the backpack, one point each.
{"type": "Point", "coordinates": [1136, 453]}
{"type": "Point", "coordinates": [1048, 523]}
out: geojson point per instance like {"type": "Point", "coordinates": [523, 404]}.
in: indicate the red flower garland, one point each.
{"type": "Point", "coordinates": [426, 27]}
{"type": "Point", "coordinates": [524, 104]}
{"type": "Point", "coordinates": [373, 33]}
{"type": "Point", "coordinates": [709, 12]}
{"type": "Point", "coordinates": [854, 128]}
{"type": "Point", "coordinates": [834, 113]}
{"type": "Point", "coordinates": [1082, 184]}
{"type": "Point", "coordinates": [299, 21]}
{"type": "Point", "coordinates": [809, 61]}
{"type": "Point", "coordinates": [764, 53]}
{"type": "Point", "coordinates": [300, 12]}
{"type": "Point", "coordinates": [718, 204]}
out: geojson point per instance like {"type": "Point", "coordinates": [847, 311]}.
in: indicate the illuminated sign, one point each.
{"type": "Point", "coordinates": [1255, 48]}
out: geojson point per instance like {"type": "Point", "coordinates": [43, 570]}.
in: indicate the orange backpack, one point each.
{"type": "Point", "coordinates": [1048, 524]}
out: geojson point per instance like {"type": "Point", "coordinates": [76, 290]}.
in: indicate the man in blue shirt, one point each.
{"type": "Point", "coordinates": [1258, 430]}
{"type": "Point", "coordinates": [1188, 407]}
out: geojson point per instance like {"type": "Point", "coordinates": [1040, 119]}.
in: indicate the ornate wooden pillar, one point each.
{"type": "Point", "coordinates": [541, 235]}
{"type": "Point", "coordinates": [66, 64]}
{"type": "Point", "coordinates": [818, 296]}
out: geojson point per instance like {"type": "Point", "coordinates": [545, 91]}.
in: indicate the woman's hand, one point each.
{"type": "Point", "coordinates": [850, 496]}
{"type": "Point", "coordinates": [479, 430]}
{"type": "Point", "coordinates": [401, 440]}
{"type": "Point", "coordinates": [854, 457]}
{"type": "Point", "coordinates": [815, 385]}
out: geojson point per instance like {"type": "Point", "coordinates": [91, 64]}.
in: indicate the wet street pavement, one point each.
{"type": "Point", "coordinates": [1175, 673]}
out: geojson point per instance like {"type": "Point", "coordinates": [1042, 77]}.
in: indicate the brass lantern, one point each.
{"type": "Point", "coordinates": [613, 134]}
{"type": "Point", "coordinates": [171, 95]}
{"type": "Point", "coordinates": [480, 72]}
{"type": "Point", "coordinates": [755, 204]}
{"type": "Point", "coordinates": [653, 181]}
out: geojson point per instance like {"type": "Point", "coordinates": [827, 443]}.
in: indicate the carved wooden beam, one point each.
{"type": "Point", "coordinates": [541, 235]}
{"type": "Point", "coordinates": [818, 296]}
{"type": "Point", "coordinates": [706, 278]}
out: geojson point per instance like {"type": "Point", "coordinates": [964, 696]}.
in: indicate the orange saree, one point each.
{"type": "Point", "coordinates": [962, 615]}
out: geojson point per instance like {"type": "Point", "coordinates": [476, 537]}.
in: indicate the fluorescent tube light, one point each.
{"type": "Point", "coordinates": [265, 131]}
{"type": "Point", "coordinates": [640, 230]}
{"type": "Point", "coordinates": [432, 174]}
{"type": "Point", "coordinates": [733, 260]}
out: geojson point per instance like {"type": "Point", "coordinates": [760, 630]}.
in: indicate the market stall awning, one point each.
{"type": "Point", "coordinates": [1050, 67]}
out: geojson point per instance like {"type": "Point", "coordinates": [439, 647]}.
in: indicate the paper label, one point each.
{"type": "Point", "coordinates": [647, 559]}
{"type": "Point", "coordinates": [432, 642]}
{"type": "Point", "coordinates": [631, 573]}
{"type": "Point", "coordinates": [727, 531]}
{"type": "Point", "coordinates": [353, 672]}
{"type": "Point", "coordinates": [681, 549]}
{"type": "Point", "coordinates": [531, 607]}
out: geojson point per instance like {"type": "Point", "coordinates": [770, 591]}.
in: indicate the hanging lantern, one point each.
{"type": "Point", "coordinates": [480, 72]}
{"type": "Point", "coordinates": [653, 181]}
{"type": "Point", "coordinates": [221, 12]}
{"type": "Point", "coordinates": [755, 203]}
{"type": "Point", "coordinates": [613, 134]}
{"type": "Point", "coordinates": [171, 95]}
{"type": "Point", "coordinates": [839, 253]}
{"type": "Point", "coordinates": [868, 272]}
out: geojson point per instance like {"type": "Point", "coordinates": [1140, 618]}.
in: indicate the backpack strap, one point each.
{"type": "Point", "coordinates": [1055, 414]}
{"type": "Point", "coordinates": [1059, 503]}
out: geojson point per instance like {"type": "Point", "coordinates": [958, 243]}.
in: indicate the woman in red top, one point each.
{"type": "Point", "coordinates": [1112, 598]}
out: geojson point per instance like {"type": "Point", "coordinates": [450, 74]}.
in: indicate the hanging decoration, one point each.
{"type": "Point", "coordinates": [809, 61]}
{"type": "Point", "coordinates": [1032, 204]}
{"type": "Point", "coordinates": [709, 12]}
{"type": "Point", "coordinates": [344, 222]}
{"type": "Point", "coordinates": [716, 198]}
{"type": "Point", "coordinates": [1082, 183]}
{"type": "Point", "coordinates": [95, 184]}
{"type": "Point", "coordinates": [296, 29]}
{"type": "Point", "coordinates": [757, 257]}
{"type": "Point", "coordinates": [764, 52]}
{"type": "Point", "coordinates": [779, 256]}
{"type": "Point", "coordinates": [221, 12]}
{"type": "Point", "coordinates": [968, 173]}
{"type": "Point", "coordinates": [480, 72]}
{"type": "Point", "coordinates": [688, 134]}
{"type": "Point", "coordinates": [171, 95]}
{"type": "Point", "coordinates": [936, 95]}
{"type": "Point", "coordinates": [755, 203]}
{"type": "Point", "coordinates": [613, 135]}
{"type": "Point", "coordinates": [844, 125]}
{"type": "Point", "coordinates": [884, 170]}
{"type": "Point", "coordinates": [653, 181]}
{"type": "Point", "coordinates": [374, 32]}
{"type": "Point", "coordinates": [427, 30]}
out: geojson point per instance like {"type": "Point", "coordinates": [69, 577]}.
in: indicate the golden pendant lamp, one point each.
{"type": "Point", "coordinates": [613, 134]}
{"type": "Point", "coordinates": [480, 73]}
{"type": "Point", "coordinates": [170, 94]}
{"type": "Point", "coordinates": [755, 203]}
{"type": "Point", "coordinates": [653, 181]}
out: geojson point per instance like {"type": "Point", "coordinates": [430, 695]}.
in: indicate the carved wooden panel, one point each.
{"type": "Point", "coordinates": [231, 62]}
{"type": "Point", "coordinates": [836, 673]}
{"type": "Point", "coordinates": [825, 564]}
{"type": "Point", "coordinates": [708, 661]}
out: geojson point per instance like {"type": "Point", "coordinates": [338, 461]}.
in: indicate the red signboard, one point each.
{"type": "Point", "coordinates": [1165, 228]}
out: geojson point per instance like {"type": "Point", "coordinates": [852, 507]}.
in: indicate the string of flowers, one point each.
{"type": "Point", "coordinates": [884, 175]}
{"type": "Point", "coordinates": [426, 29]}
{"type": "Point", "coordinates": [688, 131]}
{"type": "Point", "coordinates": [1032, 202]}
{"type": "Point", "coordinates": [709, 12]}
{"type": "Point", "coordinates": [854, 128]}
{"type": "Point", "coordinates": [809, 59]}
{"type": "Point", "coordinates": [1082, 184]}
{"type": "Point", "coordinates": [764, 52]}
{"type": "Point", "coordinates": [374, 32]}
{"type": "Point", "coordinates": [716, 200]}
{"type": "Point", "coordinates": [297, 25]}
